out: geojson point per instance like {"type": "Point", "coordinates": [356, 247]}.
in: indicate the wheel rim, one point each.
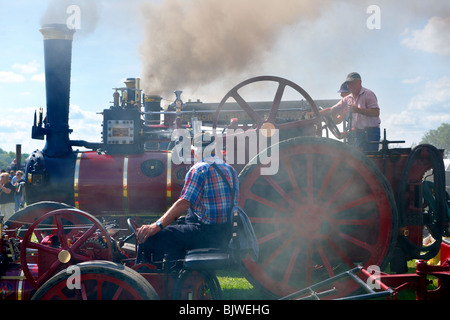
{"type": "Point", "coordinates": [29, 214]}
{"type": "Point", "coordinates": [65, 223]}
{"type": "Point", "coordinates": [310, 222]}
{"type": "Point", "coordinates": [93, 286]}
{"type": "Point", "coordinates": [96, 280]}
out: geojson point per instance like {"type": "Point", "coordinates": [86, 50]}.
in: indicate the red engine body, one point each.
{"type": "Point", "coordinates": [123, 185]}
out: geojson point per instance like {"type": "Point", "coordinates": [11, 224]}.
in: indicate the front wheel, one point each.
{"type": "Point", "coordinates": [96, 280]}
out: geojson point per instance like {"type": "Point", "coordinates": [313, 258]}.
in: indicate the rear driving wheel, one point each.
{"type": "Point", "coordinates": [327, 209]}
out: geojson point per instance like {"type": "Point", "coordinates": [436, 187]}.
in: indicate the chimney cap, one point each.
{"type": "Point", "coordinates": [57, 32]}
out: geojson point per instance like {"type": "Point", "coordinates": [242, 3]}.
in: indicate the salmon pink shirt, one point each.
{"type": "Point", "coordinates": [365, 100]}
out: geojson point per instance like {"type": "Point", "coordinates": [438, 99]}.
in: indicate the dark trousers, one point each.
{"type": "Point", "coordinates": [362, 139]}
{"type": "Point", "coordinates": [175, 240]}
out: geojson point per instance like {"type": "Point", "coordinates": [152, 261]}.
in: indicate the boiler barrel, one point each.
{"type": "Point", "coordinates": [116, 185]}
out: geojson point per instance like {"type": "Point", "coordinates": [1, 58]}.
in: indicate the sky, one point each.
{"type": "Point", "coordinates": [205, 47]}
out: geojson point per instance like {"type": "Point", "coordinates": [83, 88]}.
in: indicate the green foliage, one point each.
{"type": "Point", "coordinates": [440, 138]}
{"type": "Point", "coordinates": [7, 157]}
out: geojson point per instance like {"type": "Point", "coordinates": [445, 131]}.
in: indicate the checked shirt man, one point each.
{"type": "Point", "coordinates": [207, 200]}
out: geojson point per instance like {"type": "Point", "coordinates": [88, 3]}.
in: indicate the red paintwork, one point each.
{"type": "Point", "coordinates": [101, 184]}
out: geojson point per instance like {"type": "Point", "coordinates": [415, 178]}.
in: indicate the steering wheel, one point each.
{"type": "Point", "coordinates": [269, 121]}
{"type": "Point", "coordinates": [132, 225]}
{"type": "Point", "coordinates": [329, 122]}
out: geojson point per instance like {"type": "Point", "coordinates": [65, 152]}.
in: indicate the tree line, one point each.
{"type": "Point", "coordinates": [7, 159]}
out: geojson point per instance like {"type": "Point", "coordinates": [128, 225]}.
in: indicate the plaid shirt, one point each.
{"type": "Point", "coordinates": [208, 194]}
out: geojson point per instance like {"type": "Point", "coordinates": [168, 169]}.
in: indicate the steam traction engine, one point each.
{"type": "Point", "coordinates": [328, 210]}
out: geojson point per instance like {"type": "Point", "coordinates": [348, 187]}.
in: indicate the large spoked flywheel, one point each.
{"type": "Point", "coordinates": [277, 117]}
{"type": "Point", "coordinates": [326, 210]}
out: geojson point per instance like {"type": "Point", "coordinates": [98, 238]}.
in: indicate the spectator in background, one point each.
{"type": "Point", "coordinates": [6, 196]}
{"type": "Point", "coordinates": [18, 182]}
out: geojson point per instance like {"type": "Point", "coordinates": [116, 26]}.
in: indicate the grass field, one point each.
{"type": "Point", "coordinates": [236, 287]}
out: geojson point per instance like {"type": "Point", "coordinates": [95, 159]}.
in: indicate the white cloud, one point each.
{"type": "Point", "coordinates": [17, 122]}
{"type": "Point", "coordinates": [427, 110]}
{"type": "Point", "coordinates": [435, 97]}
{"type": "Point", "coordinates": [11, 77]}
{"type": "Point", "coordinates": [29, 68]}
{"type": "Point", "coordinates": [433, 38]}
{"type": "Point", "coordinates": [412, 80]}
{"type": "Point", "coordinates": [40, 77]}
{"type": "Point", "coordinates": [86, 125]}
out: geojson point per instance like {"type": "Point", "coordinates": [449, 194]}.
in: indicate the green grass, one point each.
{"type": "Point", "coordinates": [236, 287]}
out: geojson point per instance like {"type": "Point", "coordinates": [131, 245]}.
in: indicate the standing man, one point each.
{"type": "Point", "coordinates": [207, 199]}
{"type": "Point", "coordinates": [18, 181]}
{"type": "Point", "coordinates": [6, 196]}
{"type": "Point", "coordinates": [362, 107]}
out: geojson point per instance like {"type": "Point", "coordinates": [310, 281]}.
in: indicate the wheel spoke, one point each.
{"type": "Point", "coordinates": [278, 189]}
{"type": "Point", "coordinates": [44, 248]}
{"type": "Point", "coordinates": [287, 164]}
{"type": "Point", "coordinates": [245, 106]}
{"type": "Point", "coordinates": [78, 257]}
{"type": "Point", "coordinates": [353, 204]}
{"type": "Point", "coordinates": [48, 273]}
{"type": "Point", "coordinates": [60, 231]}
{"type": "Point", "coordinates": [83, 292]}
{"type": "Point", "coordinates": [324, 259]}
{"type": "Point", "coordinates": [271, 221]}
{"type": "Point", "coordinates": [329, 175]}
{"type": "Point", "coordinates": [84, 237]}
{"type": "Point", "coordinates": [61, 295]}
{"type": "Point", "coordinates": [339, 252]}
{"type": "Point", "coordinates": [99, 289]}
{"type": "Point", "coordinates": [342, 189]}
{"type": "Point", "coordinates": [278, 251]}
{"type": "Point", "coordinates": [291, 264]}
{"type": "Point", "coordinates": [266, 202]}
{"type": "Point", "coordinates": [355, 241]}
{"type": "Point", "coordinates": [308, 264]}
{"type": "Point", "coordinates": [356, 222]}
{"type": "Point", "coordinates": [310, 181]}
{"type": "Point", "coordinates": [271, 236]}
{"type": "Point", "coordinates": [117, 294]}
{"type": "Point", "coordinates": [276, 103]}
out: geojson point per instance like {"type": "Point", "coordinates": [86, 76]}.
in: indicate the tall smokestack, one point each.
{"type": "Point", "coordinates": [58, 58]}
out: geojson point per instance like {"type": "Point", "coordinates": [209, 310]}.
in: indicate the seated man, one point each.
{"type": "Point", "coordinates": [207, 200]}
